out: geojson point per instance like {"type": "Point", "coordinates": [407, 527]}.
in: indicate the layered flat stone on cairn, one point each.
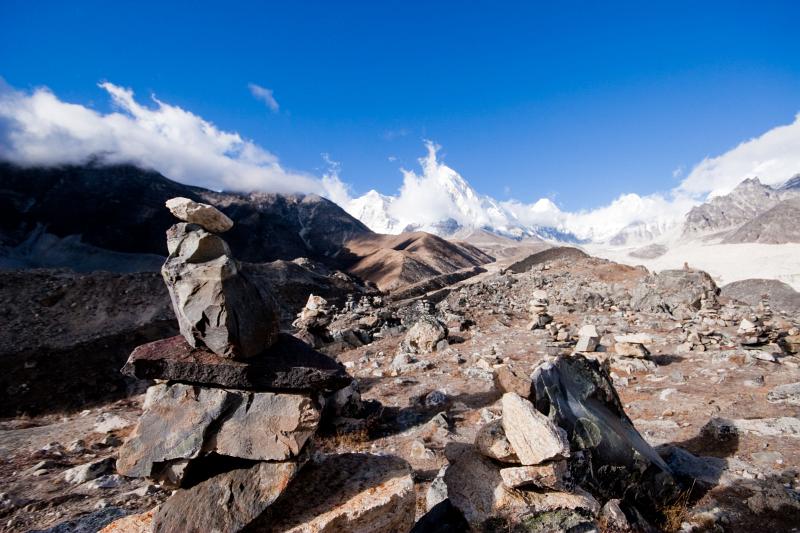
{"type": "Point", "coordinates": [289, 364]}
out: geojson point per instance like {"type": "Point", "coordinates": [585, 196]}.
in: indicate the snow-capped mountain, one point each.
{"type": "Point", "coordinates": [442, 202]}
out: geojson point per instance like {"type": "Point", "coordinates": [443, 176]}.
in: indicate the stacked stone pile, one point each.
{"type": "Point", "coordinates": [567, 458]}
{"type": "Point", "coordinates": [538, 310]}
{"type": "Point", "coordinates": [231, 421]}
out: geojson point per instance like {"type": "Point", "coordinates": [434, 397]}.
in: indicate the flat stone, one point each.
{"type": "Point", "coordinates": [788, 393]}
{"type": "Point", "coordinates": [86, 472]}
{"type": "Point", "coordinates": [553, 475]}
{"type": "Point", "coordinates": [172, 426]}
{"type": "Point", "coordinates": [267, 427]}
{"type": "Point", "coordinates": [183, 422]}
{"type": "Point", "coordinates": [631, 349]}
{"type": "Point", "coordinates": [226, 502]}
{"type": "Point", "coordinates": [288, 364]}
{"type": "Point", "coordinates": [634, 338]}
{"type": "Point", "coordinates": [204, 215]}
{"type": "Point", "coordinates": [194, 244]}
{"type": "Point", "coordinates": [532, 435]}
{"type": "Point", "coordinates": [353, 492]}
{"type": "Point", "coordinates": [491, 441]}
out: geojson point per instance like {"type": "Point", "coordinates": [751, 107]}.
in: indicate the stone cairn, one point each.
{"type": "Point", "coordinates": [564, 458]}
{"type": "Point", "coordinates": [538, 310]}
{"type": "Point", "coordinates": [231, 418]}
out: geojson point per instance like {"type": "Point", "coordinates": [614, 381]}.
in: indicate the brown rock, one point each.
{"type": "Point", "coordinates": [226, 502]}
{"type": "Point", "coordinates": [205, 215]}
{"type": "Point", "coordinates": [553, 475]}
{"type": "Point", "coordinates": [288, 364]}
{"type": "Point", "coordinates": [511, 379]}
{"type": "Point", "coordinates": [135, 523]}
{"type": "Point", "coordinates": [491, 441]}
{"type": "Point", "coordinates": [354, 493]}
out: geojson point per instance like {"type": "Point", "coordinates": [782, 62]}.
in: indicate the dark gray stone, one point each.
{"type": "Point", "coordinates": [289, 364]}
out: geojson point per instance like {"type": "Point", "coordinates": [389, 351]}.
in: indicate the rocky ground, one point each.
{"type": "Point", "coordinates": [695, 372]}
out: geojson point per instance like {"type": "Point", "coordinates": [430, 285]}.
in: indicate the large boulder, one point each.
{"type": "Point", "coordinates": [578, 396]}
{"type": "Point", "coordinates": [216, 304]}
{"type": "Point", "coordinates": [677, 292]}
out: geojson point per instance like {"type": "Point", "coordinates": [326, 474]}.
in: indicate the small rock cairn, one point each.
{"type": "Point", "coordinates": [231, 419]}
{"type": "Point", "coordinates": [538, 310]}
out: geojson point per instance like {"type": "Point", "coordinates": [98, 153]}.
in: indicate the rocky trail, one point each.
{"type": "Point", "coordinates": [559, 393]}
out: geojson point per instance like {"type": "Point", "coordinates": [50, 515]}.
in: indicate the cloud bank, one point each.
{"type": "Point", "coordinates": [38, 128]}
{"type": "Point", "coordinates": [265, 95]}
{"type": "Point", "coordinates": [773, 157]}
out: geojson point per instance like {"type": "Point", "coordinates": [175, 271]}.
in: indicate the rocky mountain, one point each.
{"type": "Point", "coordinates": [747, 201]}
{"type": "Point", "coordinates": [392, 261]}
{"type": "Point", "coordinates": [778, 225]}
{"type": "Point", "coordinates": [86, 210]}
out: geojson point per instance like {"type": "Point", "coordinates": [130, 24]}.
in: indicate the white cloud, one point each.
{"type": "Point", "coordinates": [265, 95]}
{"type": "Point", "coordinates": [38, 128]}
{"type": "Point", "coordinates": [774, 157]}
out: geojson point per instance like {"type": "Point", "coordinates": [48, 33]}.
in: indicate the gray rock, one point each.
{"type": "Point", "coordinates": [86, 472]}
{"type": "Point", "coordinates": [588, 339]}
{"type": "Point", "coordinates": [788, 393]}
{"type": "Point", "coordinates": [205, 215]}
{"type": "Point", "coordinates": [172, 426]}
{"type": "Point", "coordinates": [437, 491]}
{"type": "Point", "coordinates": [287, 364]}
{"type": "Point", "coordinates": [266, 427]}
{"type": "Point", "coordinates": [217, 306]}
{"type": "Point", "coordinates": [226, 502]}
{"type": "Point", "coordinates": [491, 441]}
{"type": "Point", "coordinates": [532, 435]}
{"type": "Point", "coordinates": [475, 487]}
{"type": "Point", "coordinates": [88, 523]}
{"type": "Point", "coordinates": [194, 244]}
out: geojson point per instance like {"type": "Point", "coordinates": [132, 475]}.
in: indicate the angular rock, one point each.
{"type": "Point", "coordinates": [288, 364]}
{"type": "Point", "coordinates": [194, 244]}
{"type": "Point", "coordinates": [553, 475]}
{"type": "Point", "coordinates": [532, 435]}
{"type": "Point", "coordinates": [217, 306]}
{"type": "Point", "coordinates": [356, 493]}
{"type": "Point", "coordinates": [510, 379]}
{"type": "Point", "coordinates": [423, 336]}
{"type": "Point", "coordinates": [475, 487]}
{"type": "Point", "coordinates": [86, 472]}
{"type": "Point", "coordinates": [172, 426]}
{"type": "Point", "coordinates": [226, 502]}
{"type": "Point", "coordinates": [441, 518]}
{"type": "Point", "coordinates": [616, 461]}
{"type": "Point", "coordinates": [205, 215]}
{"type": "Point", "coordinates": [267, 427]}
{"type": "Point", "coordinates": [631, 349]}
{"type": "Point", "coordinates": [491, 441]}
{"type": "Point", "coordinates": [135, 523]}
{"type": "Point", "coordinates": [588, 339]}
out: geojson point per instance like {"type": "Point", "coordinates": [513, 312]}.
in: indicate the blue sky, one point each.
{"type": "Point", "coordinates": [581, 101]}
